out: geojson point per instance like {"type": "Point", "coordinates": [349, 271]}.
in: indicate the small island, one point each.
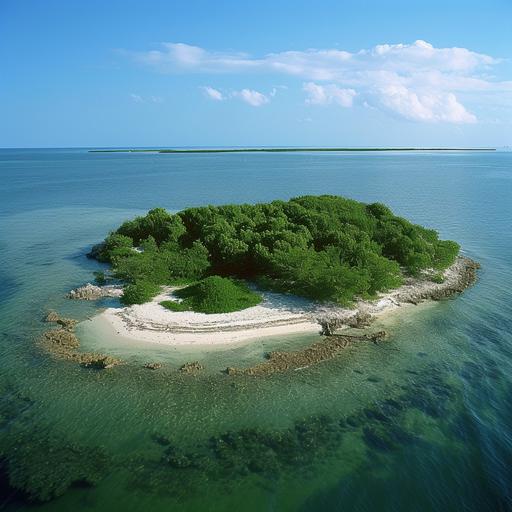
{"type": "Point", "coordinates": [215, 274]}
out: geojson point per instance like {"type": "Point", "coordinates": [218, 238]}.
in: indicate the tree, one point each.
{"type": "Point", "coordinates": [323, 247]}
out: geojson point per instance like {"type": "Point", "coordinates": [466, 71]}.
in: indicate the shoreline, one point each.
{"type": "Point", "coordinates": [277, 315]}
{"type": "Point", "coordinates": [277, 150]}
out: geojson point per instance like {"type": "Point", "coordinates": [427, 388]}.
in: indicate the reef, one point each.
{"type": "Point", "coordinates": [63, 343]}
{"type": "Point", "coordinates": [67, 323]}
{"type": "Point", "coordinates": [191, 368]}
{"type": "Point", "coordinates": [152, 366]}
{"type": "Point", "coordinates": [267, 454]}
{"type": "Point", "coordinates": [324, 350]}
{"type": "Point", "coordinates": [42, 468]}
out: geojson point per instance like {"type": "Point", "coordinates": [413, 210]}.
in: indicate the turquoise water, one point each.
{"type": "Point", "coordinates": [422, 422]}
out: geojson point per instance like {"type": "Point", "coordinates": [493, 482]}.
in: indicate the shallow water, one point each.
{"type": "Point", "coordinates": [420, 422]}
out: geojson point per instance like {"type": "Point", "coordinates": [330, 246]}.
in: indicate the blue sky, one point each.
{"type": "Point", "coordinates": [365, 73]}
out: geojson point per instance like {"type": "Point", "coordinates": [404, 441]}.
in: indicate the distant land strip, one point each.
{"type": "Point", "coordinates": [279, 150]}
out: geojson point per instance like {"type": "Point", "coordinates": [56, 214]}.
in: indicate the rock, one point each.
{"type": "Point", "coordinates": [94, 292]}
{"type": "Point", "coordinates": [52, 316]}
{"type": "Point", "coordinates": [60, 341]}
{"type": "Point", "coordinates": [359, 320]}
{"type": "Point", "coordinates": [64, 344]}
{"type": "Point", "coordinates": [67, 323]}
{"type": "Point", "coordinates": [332, 322]}
{"type": "Point", "coordinates": [456, 279]}
{"type": "Point", "coordinates": [152, 366]}
{"type": "Point", "coordinates": [321, 351]}
{"type": "Point", "coordinates": [191, 367]}
{"type": "Point", "coordinates": [98, 361]}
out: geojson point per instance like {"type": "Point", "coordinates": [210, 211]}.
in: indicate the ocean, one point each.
{"type": "Point", "coordinates": [421, 422]}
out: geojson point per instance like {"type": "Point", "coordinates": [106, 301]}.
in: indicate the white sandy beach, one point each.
{"type": "Point", "coordinates": [277, 315]}
{"type": "Point", "coordinates": [151, 322]}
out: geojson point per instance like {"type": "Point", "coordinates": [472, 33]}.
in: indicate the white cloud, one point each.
{"type": "Point", "coordinates": [326, 94]}
{"type": "Point", "coordinates": [253, 98]}
{"type": "Point", "coordinates": [415, 81]}
{"type": "Point", "coordinates": [136, 98]}
{"type": "Point", "coordinates": [428, 106]}
{"type": "Point", "coordinates": [212, 93]}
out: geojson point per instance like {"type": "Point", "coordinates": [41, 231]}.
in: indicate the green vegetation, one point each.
{"type": "Point", "coordinates": [139, 292]}
{"type": "Point", "coordinates": [327, 248]}
{"type": "Point", "coordinates": [173, 305]}
{"type": "Point", "coordinates": [437, 278]}
{"type": "Point", "coordinates": [100, 278]}
{"type": "Point", "coordinates": [214, 294]}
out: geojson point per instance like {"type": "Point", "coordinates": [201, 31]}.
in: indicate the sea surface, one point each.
{"type": "Point", "coordinates": [421, 422]}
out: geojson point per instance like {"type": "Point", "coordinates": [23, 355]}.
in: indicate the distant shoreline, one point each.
{"type": "Point", "coordinates": [280, 150]}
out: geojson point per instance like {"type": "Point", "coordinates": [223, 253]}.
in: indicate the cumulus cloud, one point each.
{"type": "Point", "coordinates": [415, 81]}
{"type": "Point", "coordinates": [213, 94]}
{"type": "Point", "coordinates": [429, 106]}
{"type": "Point", "coordinates": [326, 94]}
{"type": "Point", "coordinates": [253, 98]}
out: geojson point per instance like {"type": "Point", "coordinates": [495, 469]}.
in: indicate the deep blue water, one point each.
{"type": "Point", "coordinates": [421, 423]}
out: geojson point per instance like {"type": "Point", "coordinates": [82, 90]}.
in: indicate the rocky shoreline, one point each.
{"type": "Point", "coordinates": [63, 343]}
{"type": "Point", "coordinates": [279, 314]}
{"type": "Point", "coordinates": [457, 278]}
{"type": "Point", "coordinates": [94, 292]}
{"type": "Point", "coordinates": [271, 319]}
{"type": "Point", "coordinates": [415, 290]}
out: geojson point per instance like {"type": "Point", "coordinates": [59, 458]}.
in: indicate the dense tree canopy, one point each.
{"type": "Point", "coordinates": [322, 247]}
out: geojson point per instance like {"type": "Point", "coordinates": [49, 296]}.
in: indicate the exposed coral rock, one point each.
{"type": "Point", "coordinates": [52, 316]}
{"type": "Point", "coordinates": [67, 323]}
{"type": "Point", "coordinates": [152, 366]}
{"type": "Point", "coordinates": [98, 361]}
{"type": "Point", "coordinates": [455, 279]}
{"type": "Point", "coordinates": [64, 344]}
{"type": "Point", "coordinates": [94, 292]}
{"type": "Point", "coordinates": [316, 353]}
{"type": "Point", "coordinates": [60, 341]}
{"type": "Point", "coordinates": [191, 367]}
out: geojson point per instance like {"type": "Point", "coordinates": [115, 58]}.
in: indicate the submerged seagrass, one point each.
{"type": "Point", "coordinates": [327, 248]}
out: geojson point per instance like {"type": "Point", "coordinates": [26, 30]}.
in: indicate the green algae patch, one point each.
{"type": "Point", "coordinates": [42, 468]}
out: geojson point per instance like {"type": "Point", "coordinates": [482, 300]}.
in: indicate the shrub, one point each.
{"type": "Point", "coordinates": [215, 294]}
{"type": "Point", "coordinates": [139, 292]}
{"type": "Point", "coordinates": [173, 305]}
{"type": "Point", "coordinates": [100, 277]}
{"type": "Point", "coordinates": [437, 278]}
{"type": "Point", "coordinates": [113, 243]}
